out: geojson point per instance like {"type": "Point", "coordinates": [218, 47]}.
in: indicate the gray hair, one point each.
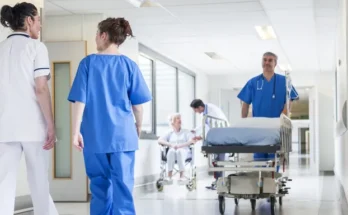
{"type": "Point", "coordinates": [171, 118]}
{"type": "Point", "coordinates": [271, 54]}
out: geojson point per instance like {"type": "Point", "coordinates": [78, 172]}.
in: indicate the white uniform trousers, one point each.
{"type": "Point", "coordinates": [37, 162]}
{"type": "Point", "coordinates": [179, 155]}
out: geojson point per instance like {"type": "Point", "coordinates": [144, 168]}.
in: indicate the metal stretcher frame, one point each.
{"type": "Point", "coordinates": [281, 151]}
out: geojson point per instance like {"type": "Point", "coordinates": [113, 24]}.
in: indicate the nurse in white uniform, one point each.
{"type": "Point", "coordinates": [178, 140]}
{"type": "Point", "coordinates": [26, 121]}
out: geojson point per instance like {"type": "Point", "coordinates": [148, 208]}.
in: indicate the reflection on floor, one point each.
{"type": "Point", "coordinates": [309, 195]}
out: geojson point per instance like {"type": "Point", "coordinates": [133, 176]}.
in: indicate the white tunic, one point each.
{"type": "Point", "coordinates": [22, 59]}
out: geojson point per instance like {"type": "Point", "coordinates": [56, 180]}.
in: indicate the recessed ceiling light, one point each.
{"type": "Point", "coordinates": [266, 32]}
{"type": "Point", "coordinates": [144, 3]}
{"type": "Point", "coordinates": [214, 56]}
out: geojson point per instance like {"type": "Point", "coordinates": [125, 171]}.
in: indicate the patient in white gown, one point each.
{"type": "Point", "coordinates": [178, 140]}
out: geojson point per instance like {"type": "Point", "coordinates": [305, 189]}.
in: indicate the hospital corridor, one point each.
{"type": "Point", "coordinates": [166, 107]}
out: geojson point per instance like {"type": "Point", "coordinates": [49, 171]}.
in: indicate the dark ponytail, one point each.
{"type": "Point", "coordinates": [118, 29]}
{"type": "Point", "coordinates": [6, 16]}
{"type": "Point", "coordinates": [14, 17]}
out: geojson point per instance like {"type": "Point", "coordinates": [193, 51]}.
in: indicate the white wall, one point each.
{"type": "Point", "coordinates": [341, 149]}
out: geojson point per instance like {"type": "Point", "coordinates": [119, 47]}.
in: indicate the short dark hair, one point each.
{"type": "Point", "coordinates": [14, 17]}
{"type": "Point", "coordinates": [271, 54]}
{"type": "Point", "coordinates": [118, 29]}
{"type": "Point", "coordinates": [197, 103]}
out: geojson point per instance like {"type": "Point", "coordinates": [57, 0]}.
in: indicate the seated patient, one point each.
{"type": "Point", "coordinates": [178, 140]}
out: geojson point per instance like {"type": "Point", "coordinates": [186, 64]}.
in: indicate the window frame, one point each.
{"type": "Point", "coordinates": [154, 56]}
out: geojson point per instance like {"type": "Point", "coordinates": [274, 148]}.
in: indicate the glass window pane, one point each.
{"type": "Point", "coordinates": [186, 95]}
{"type": "Point", "coordinates": [165, 95]}
{"type": "Point", "coordinates": [62, 116]}
{"type": "Point", "coordinates": [145, 66]}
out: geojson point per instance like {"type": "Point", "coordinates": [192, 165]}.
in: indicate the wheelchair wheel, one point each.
{"type": "Point", "coordinates": [222, 204]}
{"type": "Point", "coordinates": [159, 185]}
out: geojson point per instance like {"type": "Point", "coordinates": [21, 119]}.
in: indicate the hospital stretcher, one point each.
{"type": "Point", "coordinates": [251, 179]}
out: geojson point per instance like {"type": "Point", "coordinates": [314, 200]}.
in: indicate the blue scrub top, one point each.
{"type": "Point", "coordinates": [109, 85]}
{"type": "Point", "coordinates": [259, 92]}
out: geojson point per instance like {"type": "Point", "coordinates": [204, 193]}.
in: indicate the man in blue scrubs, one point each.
{"type": "Point", "coordinates": [267, 94]}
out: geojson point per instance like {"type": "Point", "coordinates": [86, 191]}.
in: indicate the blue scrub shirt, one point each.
{"type": "Point", "coordinates": [109, 85]}
{"type": "Point", "coordinates": [259, 92]}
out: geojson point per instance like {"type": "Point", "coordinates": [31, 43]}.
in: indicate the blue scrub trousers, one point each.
{"type": "Point", "coordinates": [112, 182]}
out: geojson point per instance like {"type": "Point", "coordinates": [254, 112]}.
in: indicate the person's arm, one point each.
{"type": "Point", "coordinates": [293, 96]}
{"type": "Point", "coordinates": [78, 96]}
{"type": "Point", "coordinates": [42, 92]}
{"type": "Point", "coordinates": [138, 93]}
{"type": "Point", "coordinates": [163, 141]}
{"type": "Point", "coordinates": [245, 110]}
{"type": "Point", "coordinates": [138, 114]}
{"type": "Point", "coordinates": [246, 98]}
{"type": "Point", "coordinates": [78, 109]}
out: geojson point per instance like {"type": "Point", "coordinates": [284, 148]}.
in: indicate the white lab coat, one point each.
{"type": "Point", "coordinates": [211, 110]}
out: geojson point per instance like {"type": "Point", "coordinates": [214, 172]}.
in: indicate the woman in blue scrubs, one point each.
{"type": "Point", "coordinates": [107, 94]}
{"type": "Point", "coordinates": [267, 94]}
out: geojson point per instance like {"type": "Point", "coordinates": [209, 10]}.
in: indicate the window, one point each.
{"type": "Point", "coordinates": [146, 67]}
{"type": "Point", "coordinates": [173, 89]}
{"type": "Point", "coordinates": [166, 102]}
{"type": "Point", "coordinates": [186, 95]}
{"type": "Point", "coordinates": [62, 153]}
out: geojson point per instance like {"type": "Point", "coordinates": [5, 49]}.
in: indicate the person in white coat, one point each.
{"type": "Point", "coordinates": [26, 120]}
{"type": "Point", "coordinates": [209, 109]}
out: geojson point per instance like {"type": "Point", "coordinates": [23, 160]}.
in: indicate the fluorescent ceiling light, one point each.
{"type": "Point", "coordinates": [214, 56]}
{"type": "Point", "coordinates": [144, 3]}
{"type": "Point", "coordinates": [266, 32]}
{"type": "Point", "coordinates": [285, 67]}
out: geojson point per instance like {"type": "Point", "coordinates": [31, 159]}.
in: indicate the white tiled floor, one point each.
{"type": "Point", "coordinates": [309, 195]}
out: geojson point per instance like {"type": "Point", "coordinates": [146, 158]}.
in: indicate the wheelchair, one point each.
{"type": "Point", "coordinates": [192, 180]}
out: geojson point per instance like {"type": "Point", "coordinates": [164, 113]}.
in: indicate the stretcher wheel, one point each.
{"type": "Point", "coordinates": [253, 204]}
{"type": "Point", "coordinates": [222, 204]}
{"type": "Point", "coordinates": [236, 201]}
{"type": "Point", "coordinates": [191, 185]}
{"type": "Point", "coordinates": [159, 185]}
{"type": "Point", "coordinates": [273, 200]}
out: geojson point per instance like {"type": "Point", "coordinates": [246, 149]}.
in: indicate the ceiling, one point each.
{"type": "Point", "coordinates": [185, 29]}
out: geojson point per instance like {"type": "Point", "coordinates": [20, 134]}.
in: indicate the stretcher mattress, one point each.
{"type": "Point", "coordinates": [246, 132]}
{"type": "Point", "coordinates": [243, 136]}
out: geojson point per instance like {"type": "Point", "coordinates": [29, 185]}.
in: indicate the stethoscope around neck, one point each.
{"type": "Point", "coordinates": [260, 87]}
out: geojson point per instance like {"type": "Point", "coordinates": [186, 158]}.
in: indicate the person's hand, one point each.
{"type": "Point", "coordinates": [78, 142]}
{"type": "Point", "coordinates": [51, 138]}
{"type": "Point", "coordinates": [138, 127]}
{"type": "Point", "coordinates": [197, 138]}
{"type": "Point", "coordinates": [176, 147]}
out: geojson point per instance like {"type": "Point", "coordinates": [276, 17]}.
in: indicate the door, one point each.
{"type": "Point", "coordinates": [68, 180]}
{"type": "Point", "coordinates": [230, 105]}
